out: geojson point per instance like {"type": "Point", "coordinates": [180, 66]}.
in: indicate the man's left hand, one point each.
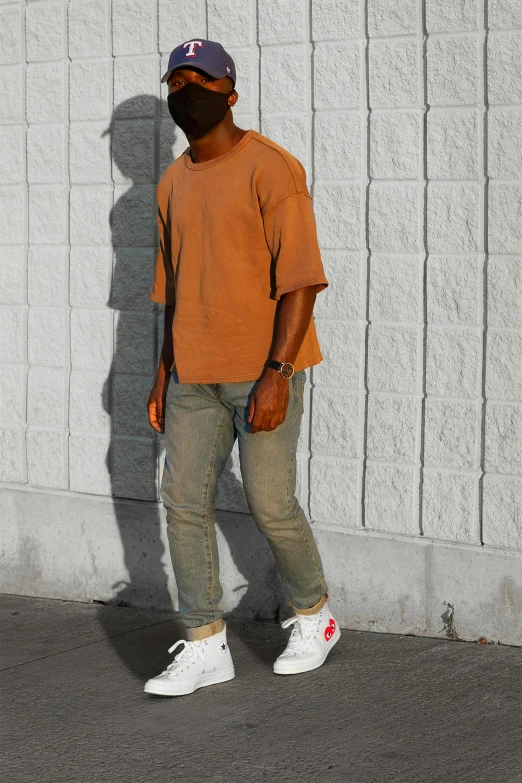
{"type": "Point", "coordinates": [269, 401]}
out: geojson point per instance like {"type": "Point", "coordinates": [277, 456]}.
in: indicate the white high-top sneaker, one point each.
{"type": "Point", "coordinates": [200, 663]}
{"type": "Point", "coordinates": [312, 638]}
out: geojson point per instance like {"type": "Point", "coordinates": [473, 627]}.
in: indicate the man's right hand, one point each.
{"type": "Point", "coordinates": [157, 403]}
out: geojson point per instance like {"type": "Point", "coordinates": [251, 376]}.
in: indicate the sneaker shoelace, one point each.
{"type": "Point", "coordinates": [302, 632]}
{"type": "Point", "coordinates": [190, 651]}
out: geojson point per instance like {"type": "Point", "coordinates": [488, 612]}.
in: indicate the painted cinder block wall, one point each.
{"type": "Point", "coordinates": [407, 116]}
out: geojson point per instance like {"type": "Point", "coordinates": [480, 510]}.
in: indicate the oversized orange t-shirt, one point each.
{"type": "Point", "coordinates": [236, 232]}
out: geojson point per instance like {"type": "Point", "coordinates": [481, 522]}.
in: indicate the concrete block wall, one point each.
{"type": "Point", "coordinates": [407, 116]}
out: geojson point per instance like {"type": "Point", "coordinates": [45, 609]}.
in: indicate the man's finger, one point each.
{"type": "Point", "coordinates": [258, 422]}
{"type": "Point", "coordinates": [255, 421]}
{"type": "Point", "coordinates": [160, 413]}
{"type": "Point", "coordinates": [153, 418]}
{"type": "Point", "coordinates": [251, 409]}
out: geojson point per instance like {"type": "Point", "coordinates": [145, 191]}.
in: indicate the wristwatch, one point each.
{"type": "Point", "coordinates": [286, 369]}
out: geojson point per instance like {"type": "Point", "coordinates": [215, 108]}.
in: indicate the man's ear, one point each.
{"type": "Point", "coordinates": [234, 95]}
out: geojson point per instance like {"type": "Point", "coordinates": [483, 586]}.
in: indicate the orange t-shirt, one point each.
{"type": "Point", "coordinates": [236, 232]}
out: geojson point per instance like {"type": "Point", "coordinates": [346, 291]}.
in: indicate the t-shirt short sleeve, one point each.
{"type": "Point", "coordinates": [162, 290]}
{"type": "Point", "coordinates": [291, 234]}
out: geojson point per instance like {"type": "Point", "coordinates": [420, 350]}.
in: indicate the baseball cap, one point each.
{"type": "Point", "coordinates": [207, 55]}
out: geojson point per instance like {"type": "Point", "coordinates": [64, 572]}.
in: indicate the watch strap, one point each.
{"type": "Point", "coordinates": [278, 365]}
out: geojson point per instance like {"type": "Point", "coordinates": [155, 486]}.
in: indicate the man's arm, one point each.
{"type": "Point", "coordinates": [157, 397]}
{"type": "Point", "coordinates": [294, 314]}
{"type": "Point", "coordinates": [269, 402]}
{"type": "Point", "coordinates": [167, 352]}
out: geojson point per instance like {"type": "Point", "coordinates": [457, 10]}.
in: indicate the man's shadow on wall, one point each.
{"type": "Point", "coordinates": [140, 153]}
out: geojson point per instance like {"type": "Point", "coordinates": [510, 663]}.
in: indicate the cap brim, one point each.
{"type": "Point", "coordinates": [215, 72]}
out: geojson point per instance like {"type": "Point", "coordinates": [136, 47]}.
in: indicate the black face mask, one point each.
{"type": "Point", "coordinates": [196, 110]}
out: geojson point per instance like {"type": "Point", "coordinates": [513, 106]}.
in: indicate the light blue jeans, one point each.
{"type": "Point", "coordinates": [202, 422]}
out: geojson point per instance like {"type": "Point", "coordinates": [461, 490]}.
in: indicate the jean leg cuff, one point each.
{"type": "Point", "coordinates": [312, 609]}
{"type": "Point", "coordinates": [204, 631]}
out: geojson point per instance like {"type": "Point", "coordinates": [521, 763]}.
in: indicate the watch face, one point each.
{"type": "Point", "coordinates": [287, 370]}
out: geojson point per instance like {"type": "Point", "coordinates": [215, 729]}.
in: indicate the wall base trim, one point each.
{"type": "Point", "coordinates": [92, 548]}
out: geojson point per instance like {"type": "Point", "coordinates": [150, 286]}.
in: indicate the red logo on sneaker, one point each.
{"type": "Point", "coordinates": [329, 630]}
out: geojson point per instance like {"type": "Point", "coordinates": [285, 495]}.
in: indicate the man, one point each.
{"type": "Point", "coordinates": [238, 269]}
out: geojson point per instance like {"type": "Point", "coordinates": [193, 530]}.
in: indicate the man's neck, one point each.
{"type": "Point", "coordinates": [220, 140]}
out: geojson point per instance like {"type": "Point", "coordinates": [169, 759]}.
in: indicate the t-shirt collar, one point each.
{"type": "Point", "coordinates": [215, 161]}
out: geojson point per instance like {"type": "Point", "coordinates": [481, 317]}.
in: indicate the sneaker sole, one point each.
{"type": "Point", "coordinates": [308, 667]}
{"type": "Point", "coordinates": [164, 689]}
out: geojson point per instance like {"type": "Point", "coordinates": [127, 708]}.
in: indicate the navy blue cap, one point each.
{"type": "Point", "coordinates": [207, 55]}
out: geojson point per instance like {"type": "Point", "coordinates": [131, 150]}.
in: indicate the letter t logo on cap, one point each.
{"type": "Point", "coordinates": [191, 45]}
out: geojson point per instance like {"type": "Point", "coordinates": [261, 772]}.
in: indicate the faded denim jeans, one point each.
{"type": "Point", "coordinates": [202, 422]}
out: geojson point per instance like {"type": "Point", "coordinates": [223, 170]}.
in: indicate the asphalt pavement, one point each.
{"type": "Point", "coordinates": [383, 708]}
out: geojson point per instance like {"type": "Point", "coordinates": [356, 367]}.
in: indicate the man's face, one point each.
{"type": "Point", "coordinates": [182, 76]}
